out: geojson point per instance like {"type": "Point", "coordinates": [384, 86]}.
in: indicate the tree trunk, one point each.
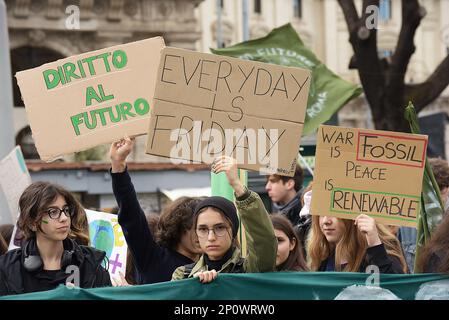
{"type": "Point", "coordinates": [384, 81]}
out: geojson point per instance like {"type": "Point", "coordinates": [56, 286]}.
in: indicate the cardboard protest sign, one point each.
{"type": "Point", "coordinates": [208, 105]}
{"type": "Point", "coordinates": [378, 173]}
{"type": "Point", "coordinates": [106, 234]}
{"type": "Point", "coordinates": [14, 178]}
{"type": "Point", "coordinates": [90, 99]}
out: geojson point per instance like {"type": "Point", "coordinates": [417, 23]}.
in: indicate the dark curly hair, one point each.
{"type": "Point", "coordinates": [175, 220]}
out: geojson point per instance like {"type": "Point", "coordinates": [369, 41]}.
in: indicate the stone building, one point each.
{"type": "Point", "coordinates": [41, 31]}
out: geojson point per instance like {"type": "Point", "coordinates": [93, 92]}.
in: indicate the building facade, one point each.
{"type": "Point", "coordinates": [40, 31]}
{"type": "Point", "coordinates": [322, 27]}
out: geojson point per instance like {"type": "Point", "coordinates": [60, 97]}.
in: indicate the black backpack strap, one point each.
{"type": "Point", "coordinates": [187, 269]}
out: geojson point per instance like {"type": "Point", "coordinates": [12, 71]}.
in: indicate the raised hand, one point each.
{"type": "Point", "coordinates": [118, 153]}
{"type": "Point", "coordinates": [228, 165]}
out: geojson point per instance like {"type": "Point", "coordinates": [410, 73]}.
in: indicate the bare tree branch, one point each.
{"type": "Point", "coordinates": [424, 93]}
{"type": "Point", "coordinates": [412, 13]}
{"type": "Point", "coordinates": [364, 44]}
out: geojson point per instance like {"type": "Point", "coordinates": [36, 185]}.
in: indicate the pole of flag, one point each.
{"type": "Point", "coordinates": [219, 29]}
{"type": "Point", "coordinates": [245, 19]}
{"type": "Point", "coordinates": [305, 164]}
{"type": "Point", "coordinates": [6, 120]}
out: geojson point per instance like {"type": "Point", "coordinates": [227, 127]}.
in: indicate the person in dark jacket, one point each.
{"type": "Point", "coordinates": [347, 245]}
{"type": "Point", "coordinates": [435, 255]}
{"type": "Point", "coordinates": [177, 245]}
{"type": "Point", "coordinates": [285, 193]}
{"type": "Point", "coordinates": [49, 216]}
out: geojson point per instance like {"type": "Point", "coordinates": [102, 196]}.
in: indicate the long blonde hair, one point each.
{"type": "Point", "coordinates": [351, 246]}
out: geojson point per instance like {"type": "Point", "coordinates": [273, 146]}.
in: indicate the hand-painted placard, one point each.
{"type": "Point", "coordinates": [106, 234]}
{"type": "Point", "coordinates": [90, 99]}
{"type": "Point", "coordinates": [378, 173]}
{"type": "Point", "coordinates": [14, 178]}
{"type": "Point", "coordinates": [207, 105]}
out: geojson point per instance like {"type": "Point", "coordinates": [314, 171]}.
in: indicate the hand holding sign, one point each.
{"type": "Point", "coordinates": [367, 226]}
{"type": "Point", "coordinates": [228, 165]}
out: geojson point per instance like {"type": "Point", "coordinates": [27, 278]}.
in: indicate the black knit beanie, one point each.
{"type": "Point", "coordinates": [223, 204]}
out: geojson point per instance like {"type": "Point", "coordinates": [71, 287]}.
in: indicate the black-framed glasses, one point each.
{"type": "Point", "coordinates": [219, 230]}
{"type": "Point", "coordinates": [55, 213]}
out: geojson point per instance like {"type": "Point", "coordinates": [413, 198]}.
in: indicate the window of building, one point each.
{"type": "Point", "coordinates": [297, 9]}
{"type": "Point", "coordinates": [24, 58]}
{"type": "Point", "coordinates": [25, 140]}
{"type": "Point", "coordinates": [258, 6]}
{"type": "Point", "coordinates": [384, 10]}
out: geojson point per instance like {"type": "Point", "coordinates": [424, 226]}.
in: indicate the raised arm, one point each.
{"type": "Point", "coordinates": [260, 237]}
{"type": "Point", "coordinates": [131, 216]}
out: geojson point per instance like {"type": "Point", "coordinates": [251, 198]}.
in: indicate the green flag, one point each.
{"type": "Point", "coordinates": [431, 204]}
{"type": "Point", "coordinates": [282, 46]}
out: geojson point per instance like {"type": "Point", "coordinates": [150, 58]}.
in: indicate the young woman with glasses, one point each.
{"type": "Point", "coordinates": [216, 225]}
{"type": "Point", "coordinates": [50, 217]}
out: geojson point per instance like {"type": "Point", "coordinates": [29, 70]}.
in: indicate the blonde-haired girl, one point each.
{"type": "Point", "coordinates": [347, 245]}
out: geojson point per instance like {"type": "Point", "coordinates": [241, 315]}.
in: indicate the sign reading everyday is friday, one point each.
{"type": "Point", "coordinates": [86, 100]}
{"type": "Point", "coordinates": [378, 173]}
{"type": "Point", "coordinates": [208, 105]}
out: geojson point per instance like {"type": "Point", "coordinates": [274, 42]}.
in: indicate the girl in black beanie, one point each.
{"type": "Point", "coordinates": [216, 223]}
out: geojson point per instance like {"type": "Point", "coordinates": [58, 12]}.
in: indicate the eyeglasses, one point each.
{"type": "Point", "coordinates": [55, 213]}
{"type": "Point", "coordinates": [219, 230]}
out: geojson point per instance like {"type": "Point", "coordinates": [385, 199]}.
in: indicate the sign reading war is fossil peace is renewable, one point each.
{"type": "Point", "coordinates": [90, 99]}
{"type": "Point", "coordinates": [207, 105]}
{"type": "Point", "coordinates": [360, 171]}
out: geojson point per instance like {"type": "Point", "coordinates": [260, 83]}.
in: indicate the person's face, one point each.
{"type": "Point", "coordinates": [285, 246]}
{"type": "Point", "coordinates": [56, 229]}
{"type": "Point", "coordinates": [216, 242]}
{"type": "Point", "coordinates": [332, 228]}
{"type": "Point", "coordinates": [190, 242]}
{"type": "Point", "coordinates": [277, 189]}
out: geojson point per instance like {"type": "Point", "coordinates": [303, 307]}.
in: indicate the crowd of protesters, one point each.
{"type": "Point", "coordinates": [199, 237]}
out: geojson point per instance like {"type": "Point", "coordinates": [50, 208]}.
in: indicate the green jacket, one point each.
{"type": "Point", "coordinates": [260, 239]}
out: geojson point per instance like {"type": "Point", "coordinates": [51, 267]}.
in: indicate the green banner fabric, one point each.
{"type": "Point", "coordinates": [269, 286]}
{"type": "Point", "coordinates": [431, 204]}
{"type": "Point", "coordinates": [282, 46]}
{"type": "Point", "coordinates": [220, 186]}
